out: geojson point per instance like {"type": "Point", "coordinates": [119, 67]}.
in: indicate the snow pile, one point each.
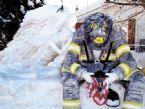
{"type": "Point", "coordinates": [30, 65]}
{"type": "Point", "coordinates": [30, 94]}
{"type": "Point", "coordinates": [44, 35]}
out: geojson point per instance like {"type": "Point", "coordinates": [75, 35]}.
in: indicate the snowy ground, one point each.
{"type": "Point", "coordinates": [30, 94]}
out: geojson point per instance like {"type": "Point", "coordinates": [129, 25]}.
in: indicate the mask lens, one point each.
{"type": "Point", "coordinates": [99, 40]}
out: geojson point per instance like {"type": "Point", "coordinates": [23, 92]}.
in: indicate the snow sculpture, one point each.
{"type": "Point", "coordinates": [43, 36]}
{"type": "Point", "coordinates": [30, 65]}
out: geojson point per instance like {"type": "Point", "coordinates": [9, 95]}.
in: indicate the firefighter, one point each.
{"type": "Point", "coordinates": [98, 46]}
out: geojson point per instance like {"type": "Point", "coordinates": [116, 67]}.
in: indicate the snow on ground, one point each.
{"type": "Point", "coordinates": [32, 89]}
{"type": "Point", "coordinates": [30, 94]}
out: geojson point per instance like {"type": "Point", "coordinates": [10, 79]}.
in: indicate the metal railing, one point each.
{"type": "Point", "coordinates": [137, 47]}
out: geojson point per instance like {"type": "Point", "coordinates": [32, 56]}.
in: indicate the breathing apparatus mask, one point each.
{"type": "Point", "coordinates": [98, 37]}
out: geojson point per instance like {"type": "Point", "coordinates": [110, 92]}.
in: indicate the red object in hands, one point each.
{"type": "Point", "coordinates": [98, 90]}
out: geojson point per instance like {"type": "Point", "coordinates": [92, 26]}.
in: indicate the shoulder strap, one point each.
{"type": "Point", "coordinates": [88, 52]}
{"type": "Point", "coordinates": [109, 51]}
{"type": "Point", "coordinates": [108, 54]}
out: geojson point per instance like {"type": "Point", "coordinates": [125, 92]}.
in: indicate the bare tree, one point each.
{"type": "Point", "coordinates": [127, 2]}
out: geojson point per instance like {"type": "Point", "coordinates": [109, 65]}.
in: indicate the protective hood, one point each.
{"type": "Point", "coordinates": [98, 28]}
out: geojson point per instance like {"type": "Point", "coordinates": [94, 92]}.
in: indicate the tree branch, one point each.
{"type": "Point", "coordinates": [121, 3]}
{"type": "Point", "coordinates": [135, 14]}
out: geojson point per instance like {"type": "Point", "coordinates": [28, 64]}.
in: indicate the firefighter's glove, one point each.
{"type": "Point", "coordinates": [83, 74]}
{"type": "Point", "coordinates": [112, 77]}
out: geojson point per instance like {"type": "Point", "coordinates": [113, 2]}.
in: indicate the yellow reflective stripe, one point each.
{"type": "Point", "coordinates": [82, 57]}
{"type": "Point", "coordinates": [63, 69]}
{"type": "Point", "coordinates": [74, 48]}
{"type": "Point", "coordinates": [126, 108]}
{"type": "Point", "coordinates": [131, 103]}
{"type": "Point", "coordinates": [93, 25]}
{"type": "Point", "coordinates": [112, 57]}
{"type": "Point", "coordinates": [126, 69]}
{"type": "Point", "coordinates": [143, 70]}
{"type": "Point", "coordinates": [122, 49]}
{"type": "Point", "coordinates": [74, 67]}
{"type": "Point", "coordinates": [131, 73]}
{"type": "Point", "coordinates": [71, 104]}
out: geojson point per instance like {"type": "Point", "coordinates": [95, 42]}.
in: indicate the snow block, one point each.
{"type": "Point", "coordinates": [30, 94]}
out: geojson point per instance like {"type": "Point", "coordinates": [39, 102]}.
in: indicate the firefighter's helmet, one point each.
{"type": "Point", "coordinates": [98, 27]}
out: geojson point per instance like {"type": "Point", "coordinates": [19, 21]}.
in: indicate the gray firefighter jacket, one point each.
{"type": "Point", "coordinates": [115, 55]}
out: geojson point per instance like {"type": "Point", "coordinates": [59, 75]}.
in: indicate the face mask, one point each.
{"type": "Point", "coordinates": [99, 40]}
{"type": "Point", "coordinates": [98, 37]}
